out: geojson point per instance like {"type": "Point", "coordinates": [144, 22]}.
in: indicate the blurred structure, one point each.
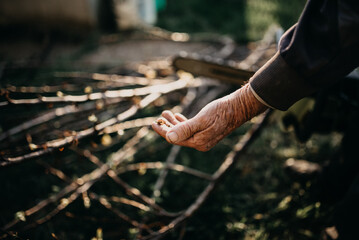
{"type": "Point", "coordinates": [68, 15]}
{"type": "Point", "coordinates": [133, 13]}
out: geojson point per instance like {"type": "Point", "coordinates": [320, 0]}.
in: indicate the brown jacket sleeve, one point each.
{"type": "Point", "coordinates": [320, 49]}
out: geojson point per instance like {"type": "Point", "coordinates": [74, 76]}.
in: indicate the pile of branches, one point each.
{"type": "Point", "coordinates": [117, 111]}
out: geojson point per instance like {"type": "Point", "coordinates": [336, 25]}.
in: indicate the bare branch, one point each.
{"type": "Point", "coordinates": [56, 172]}
{"type": "Point", "coordinates": [129, 202]}
{"type": "Point", "coordinates": [140, 122]}
{"type": "Point", "coordinates": [123, 93]}
{"type": "Point", "coordinates": [113, 78]}
{"type": "Point", "coordinates": [121, 215]}
{"type": "Point", "coordinates": [166, 165]}
{"type": "Point", "coordinates": [163, 174]}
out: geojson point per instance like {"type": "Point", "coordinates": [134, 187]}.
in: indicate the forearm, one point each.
{"type": "Point", "coordinates": [245, 105]}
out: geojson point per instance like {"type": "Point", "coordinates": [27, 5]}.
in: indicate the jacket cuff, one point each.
{"type": "Point", "coordinates": [278, 85]}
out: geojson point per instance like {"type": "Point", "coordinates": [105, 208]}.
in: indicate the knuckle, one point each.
{"type": "Point", "coordinates": [165, 112]}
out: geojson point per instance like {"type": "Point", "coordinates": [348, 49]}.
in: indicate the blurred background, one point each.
{"type": "Point", "coordinates": [53, 49]}
{"type": "Point", "coordinates": [243, 20]}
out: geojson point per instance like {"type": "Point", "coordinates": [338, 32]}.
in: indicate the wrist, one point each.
{"type": "Point", "coordinates": [246, 104]}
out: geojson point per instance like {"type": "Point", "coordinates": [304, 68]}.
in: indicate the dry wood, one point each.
{"type": "Point", "coordinates": [104, 201]}
{"type": "Point", "coordinates": [113, 78]}
{"type": "Point", "coordinates": [123, 93]}
{"type": "Point", "coordinates": [107, 81]}
{"type": "Point", "coordinates": [166, 165]}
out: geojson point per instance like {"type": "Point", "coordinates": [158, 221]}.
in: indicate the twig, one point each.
{"type": "Point", "coordinates": [7, 234]}
{"type": "Point", "coordinates": [163, 174]}
{"type": "Point", "coordinates": [108, 82]}
{"type": "Point", "coordinates": [56, 172]}
{"type": "Point", "coordinates": [129, 202]}
{"type": "Point", "coordinates": [121, 215]}
{"type": "Point", "coordinates": [137, 193]}
{"type": "Point", "coordinates": [140, 122]}
{"type": "Point", "coordinates": [42, 89]}
{"type": "Point", "coordinates": [113, 78]}
{"type": "Point", "coordinates": [166, 165]}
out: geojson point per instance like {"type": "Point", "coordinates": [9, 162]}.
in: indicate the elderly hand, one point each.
{"type": "Point", "coordinates": [215, 121]}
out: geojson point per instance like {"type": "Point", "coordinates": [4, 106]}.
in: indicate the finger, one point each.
{"type": "Point", "coordinates": [180, 117]}
{"type": "Point", "coordinates": [161, 126]}
{"type": "Point", "coordinates": [170, 117]}
{"type": "Point", "coordinates": [182, 131]}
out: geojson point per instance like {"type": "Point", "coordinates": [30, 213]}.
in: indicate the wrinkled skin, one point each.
{"type": "Point", "coordinates": [215, 121]}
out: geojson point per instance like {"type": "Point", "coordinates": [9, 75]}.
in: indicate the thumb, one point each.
{"type": "Point", "coordinates": [182, 131]}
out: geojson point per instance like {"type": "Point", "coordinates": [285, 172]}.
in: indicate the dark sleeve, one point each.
{"type": "Point", "coordinates": [320, 49]}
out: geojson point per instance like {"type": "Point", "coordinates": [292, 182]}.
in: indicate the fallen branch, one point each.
{"type": "Point", "coordinates": [121, 215]}
{"type": "Point", "coordinates": [113, 78]}
{"type": "Point", "coordinates": [123, 93]}
{"type": "Point", "coordinates": [166, 165]}
{"type": "Point", "coordinates": [140, 122]}
{"type": "Point", "coordinates": [109, 82]}
{"type": "Point", "coordinates": [163, 174]}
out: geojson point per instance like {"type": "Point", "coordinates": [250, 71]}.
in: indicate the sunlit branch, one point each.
{"type": "Point", "coordinates": [123, 93]}
{"type": "Point", "coordinates": [113, 78]}
{"type": "Point", "coordinates": [161, 165]}
{"type": "Point", "coordinates": [121, 215]}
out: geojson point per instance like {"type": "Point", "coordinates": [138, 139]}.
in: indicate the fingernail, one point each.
{"type": "Point", "coordinates": [173, 137]}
